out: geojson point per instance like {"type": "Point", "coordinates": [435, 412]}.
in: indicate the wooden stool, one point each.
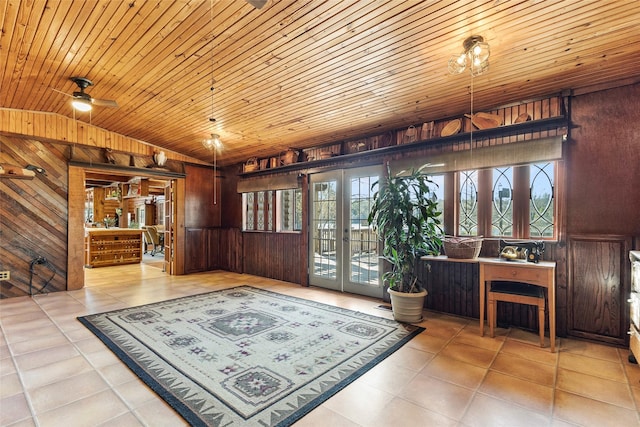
{"type": "Point", "coordinates": [519, 293]}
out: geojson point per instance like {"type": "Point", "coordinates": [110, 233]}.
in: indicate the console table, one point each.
{"type": "Point", "coordinates": [541, 274]}
{"type": "Point", "coordinates": [490, 269]}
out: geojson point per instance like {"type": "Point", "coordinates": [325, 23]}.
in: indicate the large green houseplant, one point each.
{"type": "Point", "coordinates": [405, 215]}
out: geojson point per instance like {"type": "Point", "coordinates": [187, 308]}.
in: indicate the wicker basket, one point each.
{"type": "Point", "coordinates": [462, 247]}
{"type": "Point", "coordinates": [288, 157]}
{"type": "Point", "coordinates": [251, 165]}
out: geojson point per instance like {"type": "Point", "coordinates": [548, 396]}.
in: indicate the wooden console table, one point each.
{"type": "Point", "coordinates": [540, 274]}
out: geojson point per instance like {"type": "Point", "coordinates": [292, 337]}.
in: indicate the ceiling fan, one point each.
{"type": "Point", "coordinates": [82, 101]}
{"type": "Point", "coordinates": [258, 4]}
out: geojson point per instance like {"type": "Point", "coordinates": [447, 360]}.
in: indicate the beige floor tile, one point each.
{"type": "Point", "coordinates": [400, 412]}
{"type": "Point", "coordinates": [41, 343]}
{"type": "Point", "coordinates": [524, 369]}
{"type": "Point", "coordinates": [117, 373]}
{"type": "Point", "coordinates": [323, 417]}
{"type": "Point", "coordinates": [598, 351]}
{"type": "Point", "coordinates": [438, 396]}
{"type": "Point", "coordinates": [592, 366]}
{"type": "Point", "coordinates": [135, 393]}
{"type": "Point", "coordinates": [47, 374]}
{"type": "Point", "coordinates": [411, 359]}
{"type": "Point", "coordinates": [474, 355]}
{"type": "Point", "coordinates": [428, 342]}
{"type": "Point", "coordinates": [455, 371]}
{"type": "Point", "coordinates": [614, 392]}
{"type": "Point", "coordinates": [90, 411]}
{"type": "Point", "coordinates": [125, 420]}
{"type": "Point", "coordinates": [350, 402]}
{"type": "Point", "coordinates": [488, 411]}
{"type": "Point", "coordinates": [470, 336]}
{"type": "Point", "coordinates": [10, 385]}
{"type": "Point", "coordinates": [529, 395]}
{"type": "Point", "coordinates": [632, 371]}
{"type": "Point", "coordinates": [34, 330]}
{"type": "Point", "coordinates": [66, 391]}
{"type": "Point", "coordinates": [389, 377]}
{"type": "Point", "coordinates": [448, 375]}
{"type": "Point", "coordinates": [7, 367]}
{"type": "Point", "coordinates": [158, 413]}
{"type": "Point", "coordinates": [530, 352]}
{"type": "Point", "coordinates": [47, 356]}
{"type": "Point", "coordinates": [583, 411]}
{"type": "Point", "coordinates": [13, 409]}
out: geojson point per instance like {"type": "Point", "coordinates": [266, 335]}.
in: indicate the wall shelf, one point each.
{"type": "Point", "coordinates": [539, 125]}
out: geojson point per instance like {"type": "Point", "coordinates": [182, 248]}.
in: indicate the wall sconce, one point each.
{"type": "Point", "coordinates": [475, 57]}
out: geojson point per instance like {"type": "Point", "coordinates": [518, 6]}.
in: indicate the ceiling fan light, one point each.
{"type": "Point", "coordinates": [475, 57]}
{"type": "Point", "coordinates": [455, 65]}
{"type": "Point", "coordinates": [81, 104]}
{"type": "Point", "coordinates": [480, 68]}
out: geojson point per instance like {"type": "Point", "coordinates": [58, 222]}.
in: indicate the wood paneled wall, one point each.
{"type": "Point", "coordinates": [33, 216]}
{"type": "Point", "coordinates": [43, 126]}
{"type": "Point", "coordinates": [281, 256]}
{"type": "Point", "coordinates": [599, 287]}
{"type": "Point", "coordinates": [603, 175]}
{"type": "Point", "coordinates": [202, 205]}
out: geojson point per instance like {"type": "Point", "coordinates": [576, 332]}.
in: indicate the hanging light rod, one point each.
{"type": "Point", "coordinates": [475, 57]}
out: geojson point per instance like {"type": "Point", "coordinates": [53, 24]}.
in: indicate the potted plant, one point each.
{"type": "Point", "coordinates": [404, 213]}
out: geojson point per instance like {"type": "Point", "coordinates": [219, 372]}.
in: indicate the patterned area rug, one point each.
{"type": "Point", "coordinates": [247, 356]}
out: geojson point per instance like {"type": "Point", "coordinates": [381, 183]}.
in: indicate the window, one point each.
{"type": "Point", "coordinates": [439, 191]}
{"type": "Point", "coordinates": [518, 201]}
{"type": "Point", "coordinates": [289, 209]}
{"type": "Point", "coordinates": [270, 210]}
{"type": "Point", "coordinates": [501, 203]}
{"type": "Point", "coordinates": [468, 216]}
{"type": "Point", "coordinates": [541, 200]}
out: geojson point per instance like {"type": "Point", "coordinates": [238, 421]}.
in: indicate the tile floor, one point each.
{"type": "Point", "coordinates": [54, 372]}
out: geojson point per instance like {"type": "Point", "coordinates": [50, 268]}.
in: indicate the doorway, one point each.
{"type": "Point", "coordinates": [343, 249]}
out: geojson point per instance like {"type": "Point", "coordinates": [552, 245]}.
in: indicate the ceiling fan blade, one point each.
{"type": "Point", "coordinates": [59, 91]}
{"type": "Point", "coordinates": [104, 103]}
{"type": "Point", "coordinates": [258, 4]}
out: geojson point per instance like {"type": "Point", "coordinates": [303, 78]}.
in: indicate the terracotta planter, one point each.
{"type": "Point", "coordinates": [407, 307]}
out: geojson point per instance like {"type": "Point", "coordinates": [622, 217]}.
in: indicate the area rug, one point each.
{"type": "Point", "coordinates": [246, 356]}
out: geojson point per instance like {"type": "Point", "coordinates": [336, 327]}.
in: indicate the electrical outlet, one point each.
{"type": "Point", "coordinates": [5, 275]}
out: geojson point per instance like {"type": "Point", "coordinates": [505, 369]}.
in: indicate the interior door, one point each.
{"type": "Point", "coordinates": [343, 250]}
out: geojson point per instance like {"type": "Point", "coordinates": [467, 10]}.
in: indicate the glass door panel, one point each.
{"type": "Point", "coordinates": [343, 248]}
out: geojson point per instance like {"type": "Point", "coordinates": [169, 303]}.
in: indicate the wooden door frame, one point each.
{"type": "Point", "coordinates": [75, 226]}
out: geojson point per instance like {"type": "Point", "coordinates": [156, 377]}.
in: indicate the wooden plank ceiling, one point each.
{"type": "Point", "coordinates": [300, 73]}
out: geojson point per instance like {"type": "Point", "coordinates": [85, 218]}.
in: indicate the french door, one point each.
{"type": "Point", "coordinates": [343, 249]}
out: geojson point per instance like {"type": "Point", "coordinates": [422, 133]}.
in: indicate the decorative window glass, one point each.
{"type": "Point", "coordinates": [502, 202]}
{"type": "Point", "coordinates": [438, 189]}
{"type": "Point", "coordinates": [260, 211]}
{"type": "Point", "coordinates": [249, 209]}
{"type": "Point", "coordinates": [272, 210]}
{"type": "Point", "coordinates": [468, 217]}
{"type": "Point", "coordinates": [269, 210]}
{"type": "Point", "coordinates": [541, 200]}
{"type": "Point", "coordinates": [289, 208]}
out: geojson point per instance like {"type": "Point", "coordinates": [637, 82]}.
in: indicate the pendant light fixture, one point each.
{"type": "Point", "coordinates": [214, 144]}
{"type": "Point", "coordinates": [475, 57]}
